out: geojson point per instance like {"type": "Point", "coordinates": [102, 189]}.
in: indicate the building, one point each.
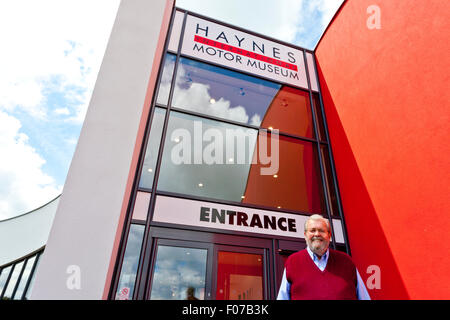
{"type": "Point", "coordinates": [175, 189]}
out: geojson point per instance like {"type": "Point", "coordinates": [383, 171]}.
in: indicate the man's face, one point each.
{"type": "Point", "coordinates": [317, 236]}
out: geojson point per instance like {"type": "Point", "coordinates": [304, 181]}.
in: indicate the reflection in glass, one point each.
{"type": "Point", "coordinates": [13, 280]}
{"type": "Point", "coordinates": [329, 181]}
{"type": "Point", "coordinates": [297, 184]}
{"type": "Point", "coordinates": [24, 279]}
{"type": "Point", "coordinates": [239, 276]}
{"type": "Point", "coordinates": [318, 111]}
{"type": "Point", "coordinates": [234, 96]}
{"type": "Point", "coordinates": [239, 175]}
{"type": "Point", "coordinates": [290, 112]}
{"type": "Point", "coordinates": [203, 168]}
{"type": "Point", "coordinates": [151, 152]}
{"type": "Point", "coordinates": [4, 276]}
{"type": "Point", "coordinates": [30, 287]}
{"type": "Point", "coordinates": [125, 287]}
{"type": "Point", "coordinates": [179, 274]}
{"type": "Point", "coordinates": [166, 79]}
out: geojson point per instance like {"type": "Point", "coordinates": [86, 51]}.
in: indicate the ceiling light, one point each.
{"type": "Point", "coordinates": [270, 128]}
{"type": "Point", "coordinates": [275, 176]}
{"type": "Point", "coordinates": [212, 100]}
{"type": "Point", "coordinates": [242, 197]}
{"type": "Point", "coordinates": [231, 160]}
{"type": "Point", "coordinates": [200, 185]}
{"type": "Point", "coordinates": [279, 207]}
{"type": "Point", "coordinates": [150, 170]}
{"type": "Point", "coordinates": [176, 140]}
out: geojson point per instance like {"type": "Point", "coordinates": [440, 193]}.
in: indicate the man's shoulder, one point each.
{"type": "Point", "coordinates": [298, 255]}
{"type": "Point", "coordinates": [341, 256]}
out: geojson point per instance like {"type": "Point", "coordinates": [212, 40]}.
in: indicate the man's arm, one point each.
{"type": "Point", "coordinates": [285, 289]}
{"type": "Point", "coordinates": [361, 291]}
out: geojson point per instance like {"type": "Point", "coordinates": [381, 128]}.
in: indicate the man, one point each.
{"type": "Point", "coordinates": [320, 273]}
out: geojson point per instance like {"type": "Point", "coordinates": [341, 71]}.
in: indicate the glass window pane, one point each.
{"type": "Point", "coordinates": [240, 165]}
{"type": "Point", "coordinates": [190, 166]}
{"type": "Point", "coordinates": [290, 112]}
{"type": "Point", "coordinates": [4, 276]}
{"type": "Point", "coordinates": [125, 287]}
{"type": "Point", "coordinates": [234, 96]}
{"type": "Point", "coordinates": [151, 152]}
{"type": "Point", "coordinates": [30, 287]}
{"type": "Point", "coordinates": [179, 274]}
{"type": "Point", "coordinates": [239, 276]}
{"type": "Point", "coordinates": [13, 280]}
{"type": "Point", "coordinates": [296, 185]}
{"type": "Point", "coordinates": [24, 279]}
{"type": "Point", "coordinates": [330, 183]}
{"type": "Point", "coordinates": [317, 110]}
{"type": "Point", "coordinates": [166, 79]}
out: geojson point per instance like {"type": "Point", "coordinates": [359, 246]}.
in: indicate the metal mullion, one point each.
{"type": "Point", "coordinates": [330, 154]}
{"type": "Point", "coordinates": [32, 271]}
{"type": "Point", "coordinates": [143, 269]}
{"type": "Point", "coordinates": [154, 245]}
{"type": "Point", "coordinates": [128, 218]}
{"type": "Point", "coordinates": [275, 270]}
{"type": "Point", "coordinates": [7, 281]}
{"type": "Point", "coordinates": [319, 154]}
{"type": "Point", "coordinates": [19, 278]}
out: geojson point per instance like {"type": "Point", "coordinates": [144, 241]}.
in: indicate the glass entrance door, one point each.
{"type": "Point", "coordinates": [189, 269]}
{"type": "Point", "coordinates": [239, 273]}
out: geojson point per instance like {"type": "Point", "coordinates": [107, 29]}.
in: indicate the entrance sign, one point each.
{"type": "Point", "coordinates": [242, 51]}
{"type": "Point", "coordinates": [225, 217]}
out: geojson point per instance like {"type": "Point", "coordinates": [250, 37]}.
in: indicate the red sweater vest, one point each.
{"type": "Point", "coordinates": [336, 282]}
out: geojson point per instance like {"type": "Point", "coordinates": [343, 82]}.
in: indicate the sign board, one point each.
{"type": "Point", "coordinates": [225, 217]}
{"type": "Point", "coordinates": [242, 51]}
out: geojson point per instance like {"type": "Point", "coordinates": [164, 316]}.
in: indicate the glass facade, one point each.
{"type": "Point", "coordinates": [17, 278]}
{"type": "Point", "coordinates": [130, 263]}
{"type": "Point", "coordinates": [221, 136]}
{"type": "Point", "coordinates": [180, 274]}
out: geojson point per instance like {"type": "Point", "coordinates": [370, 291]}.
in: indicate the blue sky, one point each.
{"type": "Point", "coordinates": [51, 51]}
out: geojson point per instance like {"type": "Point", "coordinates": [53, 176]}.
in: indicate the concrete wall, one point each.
{"type": "Point", "coordinates": [89, 220]}
{"type": "Point", "coordinates": [26, 233]}
{"type": "Point", "coordinates": [387, 99]}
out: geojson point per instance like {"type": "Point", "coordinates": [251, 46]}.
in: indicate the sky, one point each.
{"type": "Point", "coordinates": [50, 55]}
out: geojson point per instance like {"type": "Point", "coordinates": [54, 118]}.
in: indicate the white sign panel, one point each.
{"type": "Point", "coordinates": [225, 217]}
{"type": "Point", "coordinates": [225, 46]}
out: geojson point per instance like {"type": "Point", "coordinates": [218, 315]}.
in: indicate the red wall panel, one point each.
{"type": "Point", "coordinates": [386, 96]}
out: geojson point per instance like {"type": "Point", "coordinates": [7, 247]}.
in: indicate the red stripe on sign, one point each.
{"type": "Point", "coordinates": [244, 52]}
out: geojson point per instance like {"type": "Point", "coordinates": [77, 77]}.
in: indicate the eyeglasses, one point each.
{"type": "Point", "coordinates": [321, 231]}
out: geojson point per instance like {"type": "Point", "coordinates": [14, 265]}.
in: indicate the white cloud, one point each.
{"type": "Point", "coordinates": [51, 53]}
{"type": "Point", "coordinates": [51, 45]}
{"type": "Point", "coordinates": [277, 19]}
{"type": "Point", "coordinates": [327, 8]}
{"type": "Point", "coordinates": [196, 97]}
{"type": "Point", "coordinates": [24, 186]}
{"type": "Point", "coordinates": [62, 111]}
